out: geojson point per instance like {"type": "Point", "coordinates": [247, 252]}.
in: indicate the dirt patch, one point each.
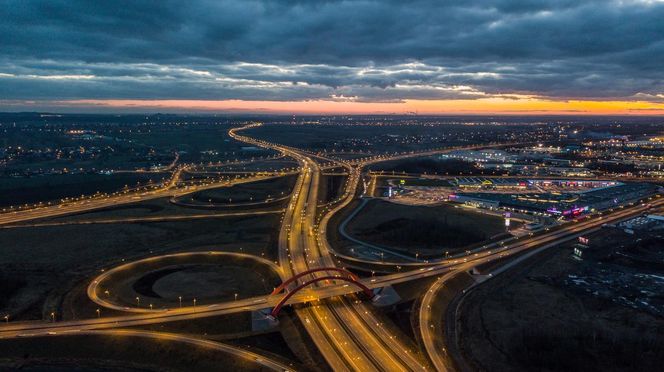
{"type": "Point", "coordinates": [209, 278]}
{"type": "Point", "coordinates": [430, 165]}
{"type": "Point", "coordinates": [51, 260]}
{"type": "Point", "coordinates": [423, 229]}
{"type": "Point", "coordinates": [86, 353]}
{"type": "Point", "coordinates": [259, 191]}
{"type": "Point", "coordinates": [332, 188]}
{"type": "Point", "coordinates": [210, 282]}
{"type": "Point", "coordinates": [527, 319]}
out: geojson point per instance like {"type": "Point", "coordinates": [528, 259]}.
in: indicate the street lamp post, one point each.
{"type": "Point", "coordinates": [180, 299]}
{"type": "Point", "coordinates": [138, 301]}
{"type": "Point", "coordinates": [98, 313]}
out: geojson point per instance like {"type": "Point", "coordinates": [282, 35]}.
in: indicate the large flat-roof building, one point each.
{"type": "Point", "coordinates": [566, 204]}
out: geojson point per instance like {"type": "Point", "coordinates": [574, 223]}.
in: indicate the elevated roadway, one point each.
{"type": "Point", "coordinates": [172, 189]}
{"type": "Point", "coordinates": [347, 333]}
{"type": "Point", "coordinates": [146, 316]}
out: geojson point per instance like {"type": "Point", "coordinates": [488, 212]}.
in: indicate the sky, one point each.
{"type": "Point", "coordinates": [334, 57]}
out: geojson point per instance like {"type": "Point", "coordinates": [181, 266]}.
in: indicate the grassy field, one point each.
{"type": "Point", "coordinates": [207, 278]}
{"type": "Point", "coordinates": [430, 165]}
{"type": "Point", "coordinates": [524, 320]}
{"type": "Point", "coordinates": [17, 191]}
{"type": "Point", "coordinates": [113, 353]}
{"type": "Point", "coordinates": [259, 191]}
{"type": "Point", "coordinates": [148, 209]}
{"type": "Point", "coordinates": [121, 148]}
{"type": "Point", "coordinates": [427, 230]}
{"type": "Point", "coordinates": [52, 260]}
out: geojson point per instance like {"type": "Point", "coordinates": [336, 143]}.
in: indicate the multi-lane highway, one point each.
{"type": "Point", "coordinates": [318, 253]}
{"type": "Point", "coordinates": [147, 316]}
{"type": "Point", "coordinates": [171, 189]}
{"type": "Point", "coordinates": [235, 351]}
{"type": "Point", "coordinates": [185, 217]}
{"type": "Point", "coordinates": [346, 331]}
{"type": "Point", "coordinates": [25, 329]}
{"type": "Point", "coordinates": [432, 333]}
{"type": "Point", "coordinates": [331, 336]}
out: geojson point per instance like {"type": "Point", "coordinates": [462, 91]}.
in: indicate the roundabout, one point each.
{"type": "Point", "coordinates": [182, 280]}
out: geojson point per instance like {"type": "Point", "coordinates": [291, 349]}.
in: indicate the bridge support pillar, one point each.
{"type": "Point", "coordinates": [261, 320]}
{"type": "Point", "coordinates": [385, 296]}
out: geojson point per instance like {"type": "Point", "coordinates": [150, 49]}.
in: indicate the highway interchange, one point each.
{"type": "Point", "coordinates": [347, 331]}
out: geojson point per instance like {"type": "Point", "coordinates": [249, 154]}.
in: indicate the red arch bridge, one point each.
{"type": "Point", "coordinates": [342, 274]}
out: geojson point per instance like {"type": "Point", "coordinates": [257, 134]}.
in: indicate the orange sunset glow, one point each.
{"type": "Point", "coordinates": [332, 186]}
{"type": "Point", "coordinates": [521, 106]}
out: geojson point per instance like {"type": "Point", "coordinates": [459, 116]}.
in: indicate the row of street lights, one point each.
{"type": "Point", "coordinates": [138, 302]}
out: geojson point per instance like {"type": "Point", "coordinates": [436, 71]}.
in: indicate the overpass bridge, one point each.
{"type": "Point", "coordinates": [334, 286]}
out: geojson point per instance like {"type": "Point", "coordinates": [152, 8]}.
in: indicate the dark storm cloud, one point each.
{"type": "Point", "coordinates": [360, 50]}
